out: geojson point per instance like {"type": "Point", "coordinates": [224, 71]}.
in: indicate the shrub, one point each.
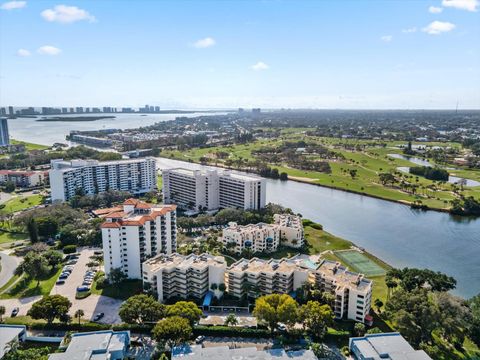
{"type": "Point", "coordinates": [316, 226]}
{"type": "Point", "coordinates": [69, 249]}
{"type": "Point", "coordinates": [230, 331]}
{"type": "Point", "coordinates": [102, 282]}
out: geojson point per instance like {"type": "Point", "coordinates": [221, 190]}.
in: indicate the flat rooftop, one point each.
{"type": "Point", "coordinates": [196, 352]}
{"type": "Point", "coordinates": [266, 266]}
{"type": "Point", "coordinates": [342, 276]}
{"type": "Point", "coordinates": [223, 173]}
{"type": "Point", "coordinates": [163, 261]}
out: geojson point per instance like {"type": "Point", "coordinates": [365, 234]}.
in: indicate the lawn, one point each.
{"type": "Point", "coordinates": [20, 203]}
{"type": "Point", "coordinates": [29, 146]}
{"type": "Point", "coordinates": [26, 288]}
{"type": "Point", "coordinates": [159, 182]}
{"type": "Point", "coordinates": [123, 291]}
{"type": "Point", "coordinates": [8, 237]}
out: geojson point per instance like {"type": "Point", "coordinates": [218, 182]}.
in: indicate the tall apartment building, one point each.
{"type": "Point", "coordinates": [183, 276]}
{"type": "Point", "coordinates": [286, 229]}
{"type": "Point", "coordinates": [256, 277]}
{"type": "Point", "coordinates": [24, 179]}
{"type": "Point", "coordinates": [213, 189]}
{"type": "Point", "coordinates": [137, 176]}
{"type": "Point", "coordinates": [4, 136]}
{"type": "Point", "coordinates": [135, 232]}
{"type": "Point", "coordinates": [352, 291]}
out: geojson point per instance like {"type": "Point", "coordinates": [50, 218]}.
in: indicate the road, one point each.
{"type": "Point", "coordinates": [8, 264]}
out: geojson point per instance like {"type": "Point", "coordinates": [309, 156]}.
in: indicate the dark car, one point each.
{"type": "Point", "coordinates": [98, 316]}
{"type": "Point", "coordinates": [60, 282]}
{"type": "Point", "coordinates": [200, 339]}
{"type": "Point", "coordinates": [15, 311]}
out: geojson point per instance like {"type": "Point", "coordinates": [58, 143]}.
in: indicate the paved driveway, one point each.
{"type": "Point", "coordinates": [9, 264]}
{"type": "Point", "coordinates": [92, 304]}
{"type": "Point", "coordinates": [23, 304]}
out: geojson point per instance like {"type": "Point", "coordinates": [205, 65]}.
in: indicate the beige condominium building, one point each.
{"type": "Point", "coordinates": [183, 276]}
{"type": "Point", "coordinates": [256, 277]}
{"type": "Point", "coordinates": [286, 230]}
{"type": "Point", "coordinates": [134, 232]}
{"type": "Point", "coordinates": [352, 291]}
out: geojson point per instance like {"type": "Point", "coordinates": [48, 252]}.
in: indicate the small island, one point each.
{"type": "Point", "coordinates": [76, 118]}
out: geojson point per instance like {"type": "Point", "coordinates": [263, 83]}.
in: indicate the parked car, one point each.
{"type": "Point", "coordinates": [63, 276]}
{"type": "Point", "coordinates": [71, 262]}
{"type": "Point", "coordinates": [82, 288]}
{"type": "Point", "coordinates": [15, 311]}
{"type": "Point", "coordinates": [200, 339]}
{"type": "Point", "coordinates": [60, 282]}
{"type": "Point", "coordinates": [98, 316]}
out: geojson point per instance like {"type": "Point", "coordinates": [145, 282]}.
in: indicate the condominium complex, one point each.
{"type": "Point", "coordinates": [211, 189]}
{"type": "Point", "coordinates": [24, 179]}
{"type": "Point", "coordinates": [182, 276]}
{"type": "Point", "coordinates": [286, 230]}
{"type": "Point", "coordinates": [256, 277]}
{"type": "Point", "coordinates": [352, 291]}
{"type": "Point", "coordinates": [89, 177]}
{"type": "Point", "coordinates": [135, 232]}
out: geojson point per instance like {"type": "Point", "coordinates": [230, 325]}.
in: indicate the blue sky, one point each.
{"type": "Point", "coordinates": [222, 54]}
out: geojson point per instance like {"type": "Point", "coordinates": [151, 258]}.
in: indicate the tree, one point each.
{"type": "Point", "coordinates": [35, 266]}
{"type": "Point", "coordinates": [50, 307]}
{"type": "Point", "coordinates": [231, 320]}
{"type": "Point", "coordinates": [173, 331]}
{"type": "Point", "coordinates": [411, 278]}
{"type": "Point", "coordinates": [32, 230]}
{"type": "Point", "coordinates": [316, 318]}
{"type": "Point", "coordinates": [141, 309]}
{"type": "Point", "coordinates": [79, 314]}
{"type": "Point", "coordinates": [14, 353]}
{"type": "Point", "coordinates": [359, 329]}
{"type": "Point", "coordinates": [374, 330]}
{"type": "Point", "coordinates": [47, 226]}
{"type": "Point", "coordinates": [186, 309]}
{"type": "Point", "coordinates": [378, 303]}
{"type": "Point", "coordinates": [2, 312]}
{"type": "Point", "coordinates": [9, 186]}
{"type": "Point", "coordinates": [116, 277]}
{"type": "Point", "coordinates": [53, 258]}
{"type": "Point", "coordinates": [474, 329]}
{"type": "Point", "coordinates": [276, 308]}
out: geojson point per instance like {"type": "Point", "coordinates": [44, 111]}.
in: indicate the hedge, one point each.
{"type": "Point", "coordinates": [70, 249]}
{"type": "Point", "coordinates": [231, 331]}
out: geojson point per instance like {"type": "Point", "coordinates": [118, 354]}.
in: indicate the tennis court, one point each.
{"type": "Point", "coordinates": [359, 262]}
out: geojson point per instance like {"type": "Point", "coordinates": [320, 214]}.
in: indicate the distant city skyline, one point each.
{"type": "Point", "coordinates": [231, 54]}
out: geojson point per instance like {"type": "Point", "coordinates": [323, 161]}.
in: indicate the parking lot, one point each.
{"type": "Point", "coordinates": [92, 304]}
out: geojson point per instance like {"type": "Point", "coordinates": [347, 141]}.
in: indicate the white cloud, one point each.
{"type": "Point", "coordinates": [259, 66]}
{"type": "Point", "coordinates": [469, 5]}
{"type": "Point", "coordinates": [23, 52]}
{"type": "Point", "coordinates": [438, 27]}
{"type": "Point", "coordinates": [49, 50]}
{"type": "Point", "coordinates": [409, 30]}
{"type": "Point", "coordinates": [435, 9]}
{"type": "Point", "coordinates": [66, 14]}
{"type": "Point", "coordinates": [10, 5]}
{"type": "Point", "coordinates": [204, 43]}
{"type": "Point", "coordinates": [386, 38]}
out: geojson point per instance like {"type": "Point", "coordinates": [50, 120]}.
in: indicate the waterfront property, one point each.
{"type": "Point", "coordinates": [107, 344]}
{"type": "Point", "coordinates": [384, 346]}
{"type": "Point", "coordinates": [183, 276]}
{"type": "Point", "coordinates": [24, 179]}
{"type": "Point", "coordinates": [89, 177]}
{"type": "Point", "coordinates": [286, 230]}
{"type": "Point", "coordinates": [256, 277]}
{"type": "Point", "coordinates": [212, 189]}
{"type": "Point", "coordinates": [9, 334]}
{"type": "Point", "coordinates": [135, 232]}
{"type": "Point", "coordinates": [352, 291]}
{"type": "Point", "coordinates": [197, 352]}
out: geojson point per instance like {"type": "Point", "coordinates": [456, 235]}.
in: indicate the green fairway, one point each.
{"type": "Point", "coordinates": [20, 203]}
{"type": "Point", "coordinates": [361, 263]}
{"type": "Point", "coordinates": [29, 146]}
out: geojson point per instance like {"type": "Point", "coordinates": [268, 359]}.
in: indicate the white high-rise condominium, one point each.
{"type": "Point", "coordinates": [213, 189]}
{"type": "Point", "coordinates": [135, 232]}
{"type": "Point", "coordinates": [67, 178]}
{"type": "Point", "coordinates": [4, 136]}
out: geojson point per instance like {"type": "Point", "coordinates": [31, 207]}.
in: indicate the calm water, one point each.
{"type": "Point", "coordinates": [421, 162]}
{"type": "Point", "coordinates": [47, 133]}
{"type": "Point", "coordinates": [395, 233]}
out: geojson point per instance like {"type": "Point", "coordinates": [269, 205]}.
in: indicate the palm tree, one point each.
{"type": "Point", "coordinates": [378, 303]}
{"type": "Point", "coordinates": [79, 314]}
{"type": "Point", "coordinates": [231, 320]}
